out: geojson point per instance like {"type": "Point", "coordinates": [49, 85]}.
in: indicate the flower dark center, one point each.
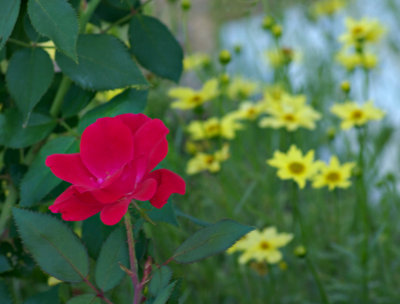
{"type": "Point", "coordinates": [357, 114]}
{"type": "Point", "coordinates": [264, 245]}
{"type": "Point", "coordinates": [196, 99]}
{"type": "Point", "coordinates": [289, 117]}
{"type": "Point", "coordinates": [209, 159]}
{"type": "Point", "coordinates": [332, 177]}
{"type": "Point", "coordinates": [296, 168]}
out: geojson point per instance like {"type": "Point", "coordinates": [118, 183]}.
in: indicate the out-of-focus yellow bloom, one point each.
{"type": "Point", "coordinates": [293, 165]}
{"type": "Point", "coordinates": [262, 246]}
{"type": "Point", "coordinates": [277, 30]}
{"type": "Point", "coordinates": [280, 57]}
{"type": "Point", "coordinates": [345, 86]}
{"type": "Point", "coordinates": [195, 147]}
{"type": "Point", "coordinates": [249, 110]}
{"type": "Point", "coordinates": [104, 96]}
{"type": "Point", "coordinates": [291, 112]}
{"type": "Point", "coordinates": [334, 175]}
{"type": "Point", "coordinates": [273, 95]}
{"type": "Point", "coordinates": [196, 61]}
{"type": "Point", "coordinates": [300, 251]}
{"type": "Point", "coordinates": [207, 162]}
{"type": "Point", "coordinates": [187, 98]}
{"type": "Point", "coordinates": [224, 57]}
{"type": "Point", "coordinates": [353, 114]}
{"type": "Point", "coordinates": [327, 7]}
{"type": "Point", "coordinates": [225, 127]}
{"type": "Point", "coordinates": [352, 60]}
{"type": "Point", "coordinates": [241, 89]}
{"type": "Point", "coordinates": [360, 32]}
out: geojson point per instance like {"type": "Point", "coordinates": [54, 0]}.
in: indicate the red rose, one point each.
{"type": "Point", "coordinates": [115, 167]}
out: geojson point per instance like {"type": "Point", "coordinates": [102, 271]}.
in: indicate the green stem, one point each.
{"type": "Point", "coordinates": [7, 207]}
{"type": "Point", "coordinates": [119, 21]}
{"type": "Point", "coordinates": [137, 285]}
{"type": "Point", "coordinates": [58, 100]}
{"type": "Point", "coordinates": [20, 43]}
{"type": "Point", "coordinates": [87, 14]}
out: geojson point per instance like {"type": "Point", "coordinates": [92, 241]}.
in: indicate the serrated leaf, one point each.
{"type": "Point", "coordinates": [29, 75]}
{"type": "Point", "coordinates": [155, 47]}
{"type": "Point", "coordinates": [75, 100]}
{"type": "Point", "coordinates": [8, 16]}
{"type": "Point", "coordinates": [114, 252]}
{"type": "Point", "coordinates": [5, 296]}
{"type": "Point", "coordinates": [57, 20]}
{"type": "Point", "coordinates": [130, 101]}
{"type": "Point", "coordinates": [94, 241]}
{"type": "Point", "coordinates": [166, 214]}
{"type": "Point", "coordinates": [164, 295]}
{"type": "Point", "coordinates": [55, 248]}
{"type": "Point", "coordinates": [210, 240]}
{"type": "Point", "coordinates": [39, 180]}
{"type": "Point", "coordinates": [160, 280]}
{"type": "Point", "coordinates": [47, 297]}
{"type": "Point", "coordinates": [85, 299]}
{"type": "Point", "coordinates": [14, 134]}
{"type": "Point", "coordinates": [104, 64]}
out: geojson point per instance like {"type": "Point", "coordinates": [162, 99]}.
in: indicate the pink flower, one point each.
{"type": "Point", "coordinates": [115, 167]}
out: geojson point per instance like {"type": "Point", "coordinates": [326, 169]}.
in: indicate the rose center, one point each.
{"type": "Point", "coordinates": [333, 177]}
{"type": "Point", "coordinates": [296, 168]}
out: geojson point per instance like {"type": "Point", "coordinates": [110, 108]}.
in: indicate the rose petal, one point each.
{"type": "Point", "coordinates": [113, 213]}
{"type": "Point", "coordinates": [106, 146]}
{"type": "Point", "coordinates": [149, 138]}
{"type": "Point", "coordinates": [145, 190]}
{"type": "Point", "coordinates": [133, 121]}
{"type": "Point", "coordinates": [168, 183]}
{"type": "Point", "coordinates": [75, 206]}
{"type": "Point", "coordinates": [69, 167]}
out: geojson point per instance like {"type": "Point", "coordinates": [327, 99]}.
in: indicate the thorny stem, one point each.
{"type": "Point", "coordinates": [137, 285]}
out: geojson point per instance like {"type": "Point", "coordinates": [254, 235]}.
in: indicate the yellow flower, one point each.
{"type": "Point", "coordinates": [281, 57]}
{"type": "Point", "coordinates": [327, 7]}
{"type": "Point", "coordinates": [249, 110]}
{"type": "Point", "coordinates": [187, 98]}
{"type": "Point", "coordinates": [214, 127]}
{"type": "Point", "coordinates": [334, 175]}
{"type": "Point", "coordinates": [293, 165]}
{"type": "Point", "coordinates": [262, 246]}
{"type": "Point", "coordinates": [196, 61]}
{"type": "Point", "coordinates": [362, 31]}
{"type": "Point", "coordinates": [290, 112]}
{"type": "Point", "coordinates": [240, 89]}
{"type": "Point", "coordinates": [353, 114]}
{"type": "Point", "coordinates": [207, 162]}
{"type": "Point", "coordinates": [352, 60]}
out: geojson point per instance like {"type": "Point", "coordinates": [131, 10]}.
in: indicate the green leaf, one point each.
{"type": "Point", "coordinates": [210, 240]}
{"type": "Point", "coordinates": [130, 101]}
{"type": "Point", "coordinates": [160, 280]}
{"type": "Point", "coordinates": [164, 295]}
{"type": "Point", "coordinates": [85, 299]}
{"type": "Point", "coordinates": [5, 296]}
{"type": "Point", "coordinates": [155, 47]}
{"type": "Point", "coordinates": [55, 248]}
{"type": "Point", "coordinates": [29, 75]}
{"type": "Point", "coordinates": [39, 180]}
{"type": "Point", "coordinates": [4, 264]}
{"type": "Point", "coordinates": [14, 134]}
{"type": "Point", "coordinates": [94, 241]}
{"type": "Point", "coordinates": [57, 20]}
{"type": "Point", "coordinates": [8, 16]}
{"type": "Point", "coordinates": [104, 64]}
{"type": "Point", "coordinates": [114, 252]}
{"type": "Point", "coordinates": [48, 297]}
{"type": "Point", "coordinates": [75, 100]}
{"type": "Point", "coordinates": [166, 214]}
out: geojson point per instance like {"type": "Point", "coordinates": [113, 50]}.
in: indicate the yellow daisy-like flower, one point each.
{"type": "Point", "coordinates": [353, 60]}
{"type": "Point", "coordinates": [207, 162]}
{"type": "Point", "coordinates": [262, 246]}
{"type": "Point", "coordinates": [362, 31]}
{"type": "Point", "coordinates": [334, 175]}
{"type": "Point", "coordinates": [293, 165]}
{"type": "Point", "coordinates": [195, 61]}
{"type": "Point", "coordinates": [225, 127]}
{"type": "Point", "coordinates": [240, 89]}
{"type": "Point", "coordinates": [249, 110]}
{"type": "Point", "coordinates": [291, 112]}
{"type": "Point", "coordinates": [187, 98]}
{"type": "Point", "coordinates": [353, 114]}
{"type": "Point", "coordinates": [327, 7]}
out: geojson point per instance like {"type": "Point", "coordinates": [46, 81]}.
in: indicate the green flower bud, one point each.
{"type": "Point", "coordinates": [224, 57]}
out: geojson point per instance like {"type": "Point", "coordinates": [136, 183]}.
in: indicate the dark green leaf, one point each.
{"type": "Point", "coordinates": [94, 241]}
{"type": "Point", "coordinates": [5, 297]}
{"type": "Point", "coordinates": [114, 252]}
{"type": "Point", "coordinates": [130, 101]}
{"type": "Point", "coordinates": [166, 214]}
{"type": "Point", "coordinates": [75, 100]}
{"type": "Point", "coordinates": [4, 264]}
{"type": "Point", "coordinates": [14, 134]}
{"type": "Point", "coordinates": [57, 20]}
{"type": "Point", "coordinates": [39, 180]}
{"type": "Point", "coordinates": [85, 299]}
{"type": "Point", "coordinates": [31, 32]}
{"type": "Point", "coordinates": [155, 47]}
{"type": "Point", "coordinates": [210, 240]}
{"type": "Point", "coordinates": [29, 75]}
{"type": "Point", "coordinates": [104, 64]}
{"type": "Point", "coordinates": [164, 295]}
{"type": "Point", "coordinates": [55, 248]}
{"type": "Point", "coordinates": [160, 280]}
{"type": "Point", "coordinates": [8, 16]}
{"type": "Point", "coordinates": [48, 297]}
